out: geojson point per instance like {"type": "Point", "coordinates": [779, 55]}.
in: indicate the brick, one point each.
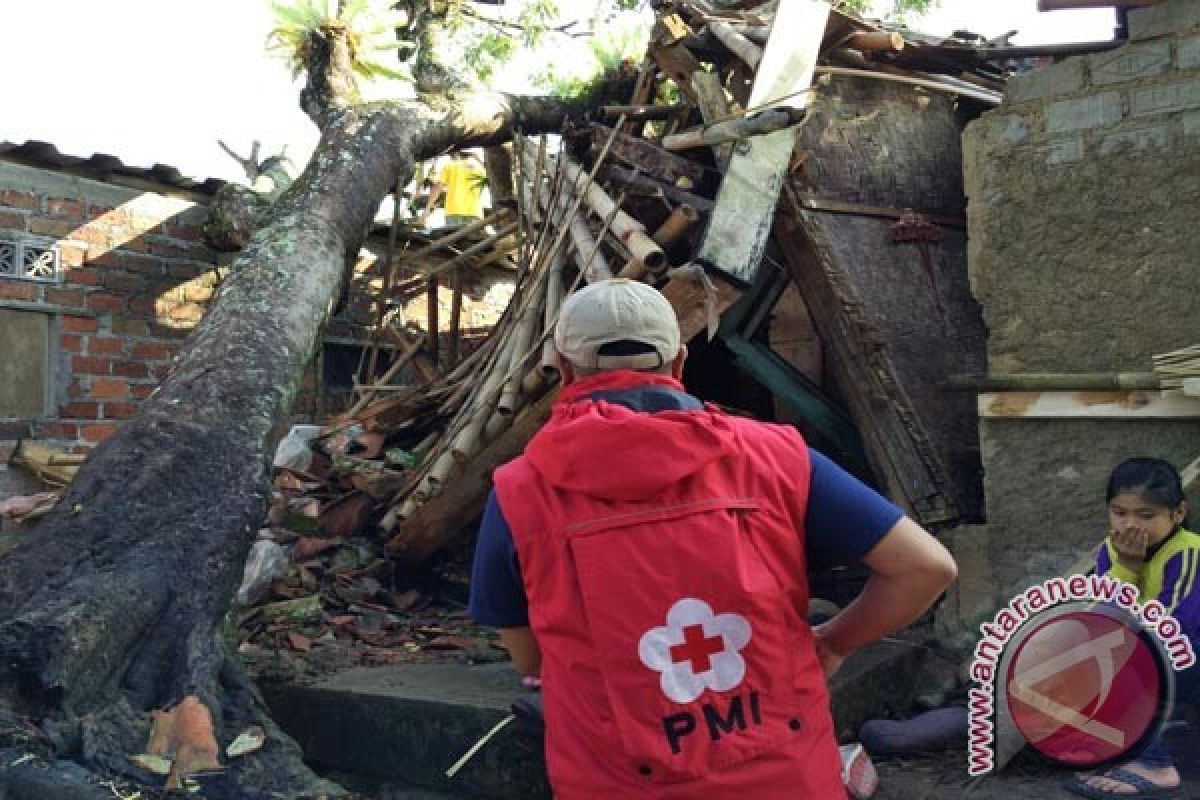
{"type": "Point", "coordinates": [1179, 96]}
{"type": "Point", "coordinates": [122, 281]}
{"type": "Point", "coordinates": [93, 234]}
{"type": "Point", "coordinates": [1134, 140]}
{"type": "Point", "coordinates": [105, 259]}
{"type": "Point", "coordinates": [70, 343]}
{"type": "Point", "coordinates": [58, 228]}
{"type": "Point", "coordinates": [79, 324]}
{"type": "Point", "coordinates": [119, 410]}
{"type": "Point", "coordinates": [147, 265]}
{"type": "Point", "coordinates": [1189, 52]}
{"type": "Point", "coordinates": [80, 410]}
{"type": "Point", "coordinates": [58, 430]}
{"type": "Point", "coordinates": [85, 276]}
{"type": "Point", "coordinates": [69, 256]}
{"type": "Point", "coordinates": [14, 429]}
{"type": "Point", "coordinates": [141, 391]}
{"type": "Point", "coordinates": [142, 307]}
{"type": "Point", "coordinates": [176, 249]}
{"type": "Point", "coordinates": [110, 388]}
{"type": "Point", "coordinates": [143, 223]}
{"type": "Point", "coordinates": [186, 269]}
{"type": "Point", "coordinates": [103, 301]}
{"type": "Point", "coordinates": [108, 216]}
{"type": "Point", "coordinates": [91, 365]}
{"type": "Point", "coordinates": [190, 232]}
{"type": "Point", "coordinates": [1065, 77]}
{"type": "Point", "coordinates": [130, 327]}
{"type": "Point", "coordinates": [153, 351]}
{"type": "Point", "coordinates": [72, 298]}
{"type": "Point", "coordinates": [1100, 110]}
{"type": "Point", "coordinates": [77, 389]}
{"type": "Point", "coordinates": [64, 207]}
{"type": "Point", "coordinates": [18, 290]}
{"type": "Point", "coordinates": [105, 346]}
{"type": "Point", "coordinates": [1173, 16]}
{"type": "Point", "coordinates": [97, 432]}
{"type": "Point", "coordinates": [130, 369]}
{"type": "Point", "coordinates": [12, 220]}
{"type": "Point", "coordinates": [1130, 63]}
{"type": "Point", "coordinates": [24, 200]}
{"type": "Point", "coordinates": [160, 372]}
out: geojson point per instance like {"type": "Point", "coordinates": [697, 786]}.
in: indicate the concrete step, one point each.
{"type": "Point", "coordinates": [407, 724]}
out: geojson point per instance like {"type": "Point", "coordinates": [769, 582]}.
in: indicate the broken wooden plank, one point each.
{"type": "Point", "coordinates": [714, 108]}
{"type": "Point", "coordinates": [634, 180]}
{"type": "Point", "coordinates": [741, 219]}
{"type": "Point", "coordinates": [650, 159]}
{"type": "Point", "coordinates": [1120, 404]}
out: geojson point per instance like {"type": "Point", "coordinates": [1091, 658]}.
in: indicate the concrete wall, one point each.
{"type": "Point", "coordinates": [1084, 190]}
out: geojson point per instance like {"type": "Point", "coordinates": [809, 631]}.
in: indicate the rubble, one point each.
{"type": "Point", "coordinates": [720, 126]}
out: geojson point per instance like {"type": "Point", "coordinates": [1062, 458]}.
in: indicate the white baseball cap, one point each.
{"type": "Point", "coordinates": [617, 310]}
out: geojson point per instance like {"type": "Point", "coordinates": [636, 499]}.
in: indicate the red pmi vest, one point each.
{"type": "Point", "coordinates": [663, 560]}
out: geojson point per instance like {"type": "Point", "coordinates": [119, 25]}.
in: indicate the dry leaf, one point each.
{"type": "Point", "coordinates": [298, 641]}
{"type": "Point", "coordinates": [308, 546]}
{"type": "Point", "coordinates": [152, 763]}
{"type": "Point", "coordinates": [248, 741]}
{"type": "Point", "coordinates": [185, 734]}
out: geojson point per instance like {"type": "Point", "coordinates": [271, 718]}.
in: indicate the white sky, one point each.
{"type": "Point", "coordinates": [161, 80]}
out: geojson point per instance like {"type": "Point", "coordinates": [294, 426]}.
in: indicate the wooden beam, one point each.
{"type": "Point", "coordinates": [1121, 404]}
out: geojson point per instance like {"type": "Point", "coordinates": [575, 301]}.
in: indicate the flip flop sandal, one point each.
{"type": "Point", "coordinates": [1144, 787]}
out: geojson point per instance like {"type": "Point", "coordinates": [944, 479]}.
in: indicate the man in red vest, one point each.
{"type": "Point", "coordinates": [646, 556]}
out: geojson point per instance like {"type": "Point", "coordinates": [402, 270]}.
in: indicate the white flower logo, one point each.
{"type": "Point", "coordinates": [695, 650]}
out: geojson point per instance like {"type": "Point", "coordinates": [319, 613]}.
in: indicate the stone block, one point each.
{"type": "Point", "coordinates": [1178, 96]}
{"type": "Point", "coordinates": [1135, 140]}
{"type": "Point", "coordinates": [1082, 113]}
{"type": "Point", "coordinates": [1173, 16]}
{"type": "Point", "coordinates": [1131, 62]}
{"type": "Point", "coordinates": [1189, 53]}
{"type": "Point", "coordinates": [1062, 151]}
{"type": "Point", "coordinates": [1065, 77]}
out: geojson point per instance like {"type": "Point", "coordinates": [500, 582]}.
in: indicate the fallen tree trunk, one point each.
{"type": "Point", "coordinates": [113, 605]}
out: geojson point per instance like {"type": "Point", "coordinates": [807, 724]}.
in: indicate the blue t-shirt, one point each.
{"type": "Point", "coordinates": [845, 518]}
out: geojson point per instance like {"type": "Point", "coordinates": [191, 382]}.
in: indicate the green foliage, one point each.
{"type": "Point", "coordinates": [619, 41]}
{"type": "Point", "coordinates": [898, 7]}
{"type": "Point", "coordinates": [370, 27]}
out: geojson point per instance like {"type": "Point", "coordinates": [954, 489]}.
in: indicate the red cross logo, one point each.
{"type": "Point", "coordinates": [697, 648]}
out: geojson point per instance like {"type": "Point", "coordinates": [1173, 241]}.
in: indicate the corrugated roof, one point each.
{"type": "Point", "coordinates": [105, 167]}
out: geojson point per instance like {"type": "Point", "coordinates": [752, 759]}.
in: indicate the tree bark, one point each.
{"type": "Point", "coordinates": [113, 605]}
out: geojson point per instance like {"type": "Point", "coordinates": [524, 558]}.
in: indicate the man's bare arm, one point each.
{"type": "Point", "coordinates": [523, 649]}
{"type": "Point", "coordinates": [909, 569]}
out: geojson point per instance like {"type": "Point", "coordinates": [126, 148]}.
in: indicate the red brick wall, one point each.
{"type": "Point", "coordinates": [135, 279]}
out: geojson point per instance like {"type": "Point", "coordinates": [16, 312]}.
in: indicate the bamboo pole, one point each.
{"type": "Point", "coordinates": [473, 251]}
{"type": "Point", "coordinates": [582, 240]}
{"type": "Point", "coordinates": [554, 296]}
{"type": "Point", "coordinates": [731, 130]}
{"type": "Point", "coordinates": [431, 308]}
{"type": "Point", "coordinates": [994, 98]}
{"type": "Point", "coordinates": [676, 226]}
{"type": "Point", "coordinates": [737, 44]}
{"type": "Point", "coordinates": [643, 112]}
{"type": "Point", "coordinates": [627, 229]}
{"type": "Point", "coordinates": [876, 41]}
{"type": "Point", "coordinates": [522, 338]}
{"type": "Point", "coordinates": [407, 355]}
{"type": "Point", "coordinates": [459, 233]}
{"type": "Point", "coordinates": [456, 284]}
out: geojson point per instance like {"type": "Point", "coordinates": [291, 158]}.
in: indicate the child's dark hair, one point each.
{"type": "Point", "coordinates": [1156, 480]}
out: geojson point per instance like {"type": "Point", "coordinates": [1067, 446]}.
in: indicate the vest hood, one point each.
{"type": "Point", "coordinates": [609, 451]}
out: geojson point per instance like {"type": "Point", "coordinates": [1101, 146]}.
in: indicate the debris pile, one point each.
{"type": "Point", "coordinates": [756, 155]}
